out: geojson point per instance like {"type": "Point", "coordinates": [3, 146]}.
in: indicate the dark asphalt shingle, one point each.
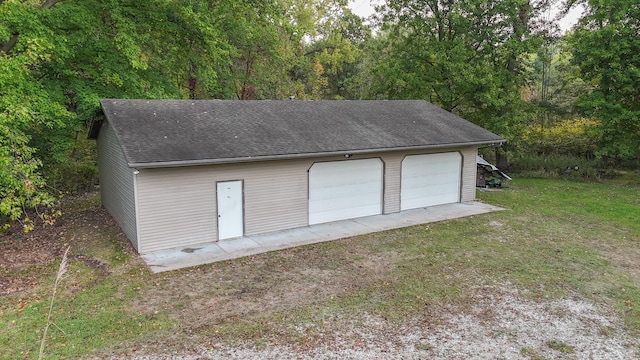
{"type": "Point", "coordinates": [153, 132]}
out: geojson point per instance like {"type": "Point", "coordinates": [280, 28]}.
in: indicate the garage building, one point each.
{"type": "Point", "coordinates": [176, 173]}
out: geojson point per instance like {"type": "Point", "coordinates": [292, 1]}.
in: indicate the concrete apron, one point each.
{"type": "Point", "coordinates": [182, 257]}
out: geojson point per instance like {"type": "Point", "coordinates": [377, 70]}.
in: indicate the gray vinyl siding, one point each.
{"type": "Point", "coordinates": [177, 206]}
{"type": "Point", "coordinates": [117, 183]}
{"type": "Point", "coordinates": [392, 166]}
{"type": "Point", "coordinates": [469, 171]}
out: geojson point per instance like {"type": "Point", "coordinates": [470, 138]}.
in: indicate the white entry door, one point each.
{"type": "Point", "coordinates": [430, 179]}
{"type": "Point", "coordinates": [345, 190]}
{"type": "Point", "coordinates": [230, 209]}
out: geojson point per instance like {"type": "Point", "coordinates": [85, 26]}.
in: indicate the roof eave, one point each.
{"type": "Point", "coordinates": [181, 163]}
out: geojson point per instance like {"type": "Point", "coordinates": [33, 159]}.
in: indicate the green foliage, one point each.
{"type": "Point", "coordinates": [322, 61]}
{"type": "Point", "coordinates": [572, 137]}
{"type": "Point", "coordinates": [606, 48]}
{"type": "Point", "coordinates": [77, 170]}
{"type": "Point", "coordinates": [60, 57]}
{"type": "Point", "coordinates": [24, 105]}
{"type": "Point", "coordinates": [555, 83]}
{"type": "Point", "coordinates": [339, 50]}
{"type": "Point", "coordinates": [467, 56]}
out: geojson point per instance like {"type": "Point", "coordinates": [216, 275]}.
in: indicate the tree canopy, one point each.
{"type": "Point", "coordinates": [468, 56]}
{"type": "Point", "coordinates": [606, 48]}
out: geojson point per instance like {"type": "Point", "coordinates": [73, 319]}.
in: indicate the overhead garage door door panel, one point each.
{"type": "Point", "coordinates": [430, 179]}
{"type": "Point", "coordinates": [344, 190]}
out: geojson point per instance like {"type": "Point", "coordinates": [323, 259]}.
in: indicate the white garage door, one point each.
{"type": "Point", "coordinates": [430, 179]}
{"type": "Point", "coordinates": [344, 190]}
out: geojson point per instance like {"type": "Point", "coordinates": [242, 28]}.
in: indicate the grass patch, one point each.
{"type": "Point", "coordinates": [558, 238]}
{"type": "Point", "coordinates": [86, 318]}
{"type": "Point", "coordinates": [560, 347]}
{"type": "Point", "coordinates": [531, 354]}
{"type": "Point", "coordinates": [546, 245]}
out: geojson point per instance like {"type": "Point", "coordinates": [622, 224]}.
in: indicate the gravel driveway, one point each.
{"type": "Point", "coordinates": [502, 324]}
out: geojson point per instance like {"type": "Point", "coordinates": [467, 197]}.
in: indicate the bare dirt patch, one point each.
{"type": "Point", "coordinates": [624, 257]}
{"type": "Point", "coordinates": [20, 251]}
{"type": "Point", "coordinates": [22, 254]}
{"type": "Point", "coordinates": [260, 284]}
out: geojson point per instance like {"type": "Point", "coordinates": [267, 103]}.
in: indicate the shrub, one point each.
{"type": "Point", "coordinates": [556, 166]}
{"type": "Point", "coordinates": [75, 169]}
{"type": "Point", "coordinates": [572, 137]}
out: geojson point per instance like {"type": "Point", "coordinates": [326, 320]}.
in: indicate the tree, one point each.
{"type": "Point", "coordinates": [606, 48]}
{"type": "Point", "coordinates": [25, 46]}
{"type": "Point", "coordinates": [339, 50]}
{"type": "Point", "coordinates": [325, 59]}
{"type": "Point", "coordinates": [556, 83]}
{"type": "Point", "coordinates": [60, 57]}
{"type": "Point", "coordinates": [468, 56]}
{"type": "Point", "coordinates": [254, 32]}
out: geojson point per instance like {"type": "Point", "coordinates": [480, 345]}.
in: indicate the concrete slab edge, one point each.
{"type": "Point", "coordinates": [174, 259]}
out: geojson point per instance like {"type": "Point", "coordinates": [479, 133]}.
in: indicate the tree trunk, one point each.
{"type": "Point", "coordinates": [192, 81]}
{"type": "Point", "coordinates": [502, 162]}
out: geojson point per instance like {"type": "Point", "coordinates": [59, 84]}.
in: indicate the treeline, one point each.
{"type": "Point", "coordinates": [502, 64]}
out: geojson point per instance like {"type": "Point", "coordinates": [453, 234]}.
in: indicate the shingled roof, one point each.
{"type": "Point", "coordinates": [156, 133]}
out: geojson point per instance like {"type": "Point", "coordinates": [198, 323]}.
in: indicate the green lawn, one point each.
{"type": "Point", "coordinates": [558, 238]}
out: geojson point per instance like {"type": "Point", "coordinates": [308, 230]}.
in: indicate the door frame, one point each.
{"type": "Point", "coordinates": [218, 215]}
